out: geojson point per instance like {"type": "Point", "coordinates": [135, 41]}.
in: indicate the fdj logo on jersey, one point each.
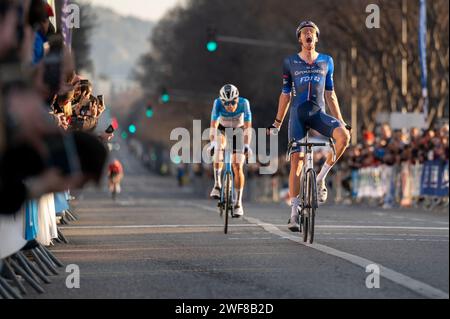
{"type": "Point", "coordinates": [314, 78]}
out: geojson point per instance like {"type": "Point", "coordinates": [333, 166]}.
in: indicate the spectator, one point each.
{"type": "Point", "coordinates": [40, 13]}
{"type": "Point", "coordinates": [386, 133]}
{"type": "Point", "coordinates": [28, 163]}
{"type": "Point", "coordinates": [8, 32]}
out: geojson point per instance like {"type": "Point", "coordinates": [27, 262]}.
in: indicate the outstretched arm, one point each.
{"type": "Point", "coordinates": [333, 104]}
{"type": "Point", "coordinates": [286, 95]}
{"type": "Point", "coordinates": [283, 107]}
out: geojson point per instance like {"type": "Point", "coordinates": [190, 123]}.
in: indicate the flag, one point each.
{"type": "Point", "coordinates": [423, 54]}
{"type": "Point", "coordinates": [66, 30]}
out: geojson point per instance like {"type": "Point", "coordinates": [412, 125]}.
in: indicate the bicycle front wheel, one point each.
{"type": "Point", "coordinates": [228, 200]}
{"type": "Point", "coordinates": [304, 208]}
{"type": "Point", "coordinates": [312, 203]}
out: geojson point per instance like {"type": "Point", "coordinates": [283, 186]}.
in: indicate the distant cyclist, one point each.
{"type": "Point", "coordinates": [115, 176]}
{"type": "Point", "coordinates": [230, 111]}
{"type": "Point", "coordinates": [307, 84]}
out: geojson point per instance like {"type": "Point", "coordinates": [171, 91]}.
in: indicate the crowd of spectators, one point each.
{"type": "Point", "coordinates": [382, 146]}
{"type": "Point", "coordinates": [393, 147]}
{"type": "Point", "coordinates": [48, 113]}
{"type": "Point", "coordinates": [385, 147]}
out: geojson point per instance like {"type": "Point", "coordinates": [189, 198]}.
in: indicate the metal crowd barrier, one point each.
{"type": "Point", "coordinates": [403, 185]}
{"type": "Point", "coordinates": [25, 260]}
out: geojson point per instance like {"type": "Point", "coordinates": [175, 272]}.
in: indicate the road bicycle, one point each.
{"type": "Point", "coordinates": [308, 186]}
{"type": "Point", "coordinates": [226, 202]}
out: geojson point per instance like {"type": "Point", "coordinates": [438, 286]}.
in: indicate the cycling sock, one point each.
{"type": "Point", "coordinates": [324, 172]}
{"type": "Point", "coordinates": [239, 197]}
{"type": "Point", "coordinates": [217, 175]}
{"type": "Point", "coordinates": [295, 202]}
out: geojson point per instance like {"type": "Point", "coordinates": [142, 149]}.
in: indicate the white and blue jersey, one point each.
{"type": "Point", "coordinates": [234, 119]}
{"type": "Point", "coordinates": [307, 84]}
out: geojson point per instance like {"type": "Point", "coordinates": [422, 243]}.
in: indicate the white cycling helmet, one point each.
{"type": "Point", "coordinates": [229, 92]}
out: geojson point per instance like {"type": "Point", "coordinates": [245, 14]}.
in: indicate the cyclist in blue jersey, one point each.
{"type": "Point", "coordinates": [231, 113]}
{"type": "Point", "coordinates": [307, 85]}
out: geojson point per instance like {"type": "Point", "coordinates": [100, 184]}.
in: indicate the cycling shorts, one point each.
{"type": "Point", "coordinates": [307, 116]}
{"type": "Point", "coordinates": [237, 139]}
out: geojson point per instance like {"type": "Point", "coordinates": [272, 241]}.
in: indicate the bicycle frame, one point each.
{"type": "Point", "coordinates": [308, 161]}
{"type": "Point", "coordinates": [228, 169]}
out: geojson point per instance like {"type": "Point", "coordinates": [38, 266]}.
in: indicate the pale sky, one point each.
{"type": "Point", "coordinates": [144, 9]}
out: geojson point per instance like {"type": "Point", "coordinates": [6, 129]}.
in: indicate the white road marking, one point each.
{"type": "Point", "coordinates": [252, 225]}
{"type": "Point", "coordinates": [250, 238]}
{"type": "Point", "coordinates": [381, 227]}
{"type": "Point", "coordinates": [385, 234]}
{"type": "Point", "coordinates": [419, 287]}
{"type": "Point", "coordinates": [154, 226]}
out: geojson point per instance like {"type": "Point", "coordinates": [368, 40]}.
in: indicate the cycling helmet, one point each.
{"type": "Point", "coordinates": [305, 24]}
{"type": "Point", "coordinates": [229, 92]}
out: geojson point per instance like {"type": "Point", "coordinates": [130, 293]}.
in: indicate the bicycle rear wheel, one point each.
{"type": "Point", "coordinates": [228, 200]}
{"type": "Point", "coordinates": [312, 204]}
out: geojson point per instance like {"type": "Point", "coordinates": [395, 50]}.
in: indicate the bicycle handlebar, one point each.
{"type": "Point", "coordinates": [294, 143]}
{"type": "Point", "coordinates": [311, 144]}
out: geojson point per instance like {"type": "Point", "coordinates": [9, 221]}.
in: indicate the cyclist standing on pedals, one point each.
{"type": "Point", "coordinates": [307, 84]}
{"type": "Point", "coordinates": [115, 175]}
{"type": "Point", "coordinates": [233, 112]}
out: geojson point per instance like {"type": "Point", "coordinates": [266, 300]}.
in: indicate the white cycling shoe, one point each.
{"type": "Point", "coordinates": [322, 192]}
{"type": "Point", "coordinates": [215, 193]}
{"type": "Point", "coordinates": [293, 224]}
{"type": "Point", "coordinates": [238, 211]}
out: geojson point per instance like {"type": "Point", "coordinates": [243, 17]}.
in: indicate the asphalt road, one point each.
{"type": "Point", "coordinates": [158, 241]}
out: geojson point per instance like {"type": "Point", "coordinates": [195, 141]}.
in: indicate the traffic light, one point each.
{"type": "Point", "coordinates": [149, 111]}
{"type": "Point", "coordinates": [124, 135]}
{"type": "Point", "coordinates": [132, 129]}
{"type": "Point", "coordinates": [115, 123]}
{"type": "Point", "coordinates": [165, 97]}
{"type": "Point", "coordinates": [211, 40]}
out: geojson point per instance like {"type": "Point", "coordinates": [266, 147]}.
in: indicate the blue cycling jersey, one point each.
{"type": "Point", "coordinates": [234, 119]}
{"type": "Point", "coordinates": [308, 82]}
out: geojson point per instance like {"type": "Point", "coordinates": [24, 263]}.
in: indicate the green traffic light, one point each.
{"type": "Point", "coordinates": [165, 98]}
{"type": "Point", "coordinates": [124, 135]}
{"type": "Point", "coordinates": [211, 46]}
{"type": "Point", "coordinates": [132, 129]}
{"type": "Point", "coordinates": [149, 113]}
